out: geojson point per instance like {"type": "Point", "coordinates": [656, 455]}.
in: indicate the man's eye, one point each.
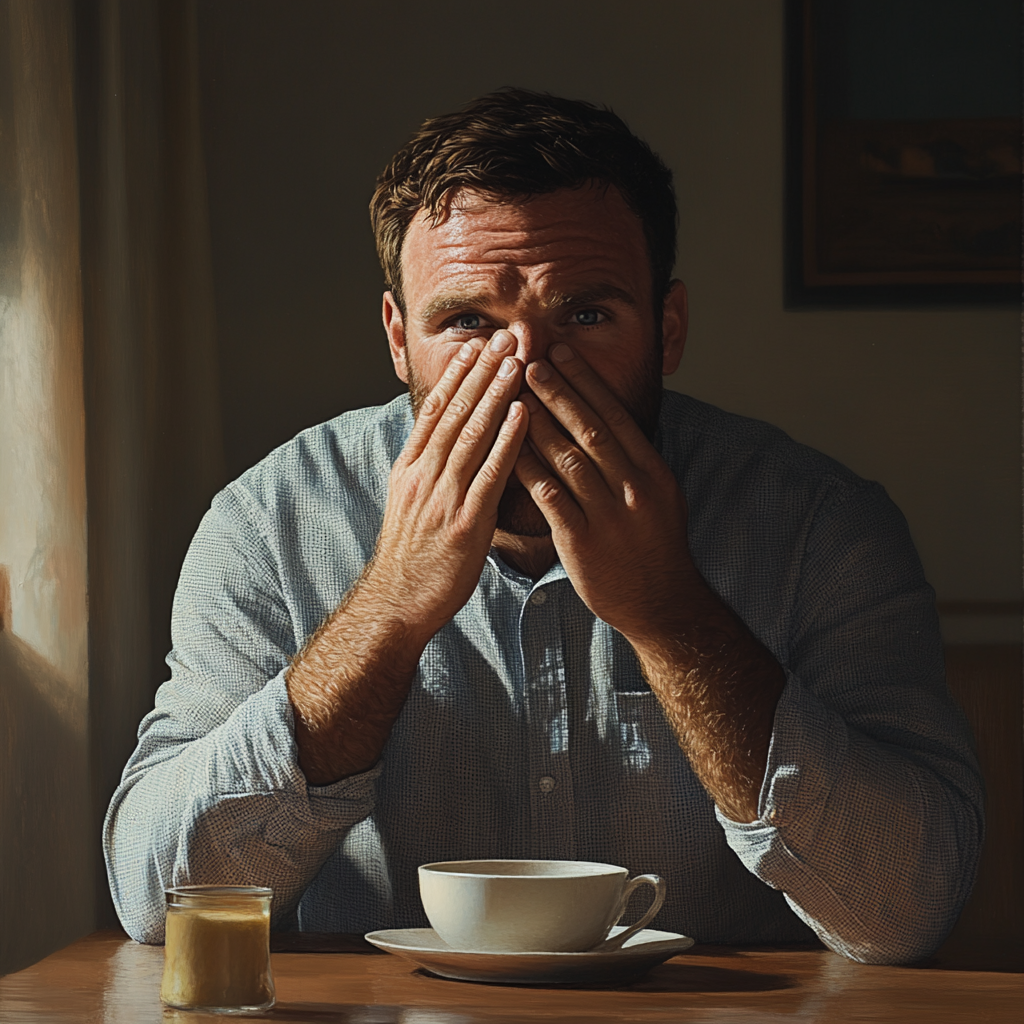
{"type": "Point", "coordinates": [588, 317]}
{"type": "Point", "coordinates": [467, 322]}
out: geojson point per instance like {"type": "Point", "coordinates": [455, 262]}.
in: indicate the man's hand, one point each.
{"type": "Point", "coordinates": [618, 522]}
{"type": "Point", "coordinates": [445, 486]}
{"type": "Point", "coordinates": [617, 515]}
{"type": "Point", "coordinates": [349, 683]}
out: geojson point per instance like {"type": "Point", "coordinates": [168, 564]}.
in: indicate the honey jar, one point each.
{"type": "Point", "coordinates": [217, 949]}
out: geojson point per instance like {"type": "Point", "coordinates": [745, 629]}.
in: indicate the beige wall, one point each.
{"type": "Point", "coordinates": [48, 839]}
{"type": "Point", "coordinates": [305, 103]}
{"type": "Point", "coordinates": [926, 401]}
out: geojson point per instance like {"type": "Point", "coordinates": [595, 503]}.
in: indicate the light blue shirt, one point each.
{"type": "Point", "coordinates": [529, 731]}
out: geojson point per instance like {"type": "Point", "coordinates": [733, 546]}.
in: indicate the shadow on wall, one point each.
{"type": "Point", "coordinates": [44, 801]}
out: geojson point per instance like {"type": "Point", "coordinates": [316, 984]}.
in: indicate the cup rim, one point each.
{"type": "Point", "coordinates": [456, 869]}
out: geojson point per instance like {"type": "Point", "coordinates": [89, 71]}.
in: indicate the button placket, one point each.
{"type": "Point", "coordinates": [548, 767]}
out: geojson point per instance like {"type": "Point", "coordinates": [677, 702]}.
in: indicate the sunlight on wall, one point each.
{"type": "Point", "coordinates": [42, 517]}
{"type": "Point", "coordinates": [46, 842]}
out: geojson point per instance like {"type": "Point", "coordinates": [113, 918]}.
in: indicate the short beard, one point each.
{"type": "Point", "coordinates": [640, 393]}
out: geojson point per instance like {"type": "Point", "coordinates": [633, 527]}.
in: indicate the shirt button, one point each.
{"type": "Point", "coordinates": [538, 597]}
{"type": "Point", "coordinates": [546, 783]}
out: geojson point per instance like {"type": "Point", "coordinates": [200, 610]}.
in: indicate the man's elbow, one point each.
{"type": "Point", "coordinates": [139, 902]}
{"type": "Point", "coordinates": [147, 932]}
{"type": "Point", "coordinates": [894, 939]}
{"type": "Point", "coordinates": [140, 921]}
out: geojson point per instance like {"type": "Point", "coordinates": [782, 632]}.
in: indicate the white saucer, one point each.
{"type": "Point", "coordinates": [640, 953]}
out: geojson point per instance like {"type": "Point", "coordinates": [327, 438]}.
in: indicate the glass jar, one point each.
{"type": "Point", "coordinates": [217, 949]}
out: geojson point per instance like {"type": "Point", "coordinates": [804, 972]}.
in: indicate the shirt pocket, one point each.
{"type": "Point", "coordinates": [646, 741]}
{"type": "Point", "coordinates": [654, 767]}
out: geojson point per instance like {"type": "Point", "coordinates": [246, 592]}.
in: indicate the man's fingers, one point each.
{"type": "Point", "coordinates": [565, 457]}
{"type": "Point", "coordinates": [489, 483]}
{"type": "Point", "coordinates": [549, 494]}
{"type": "Point", "coordinates": [435, 404]}
{"type": "Point", "coordinates": [462, 404]}
{"type": "Point", "coordinates": [572, 390]}
{"type": "Point", "coordinates": [473, 386]}
{"type": "Point", "coordinates": [474, 440]}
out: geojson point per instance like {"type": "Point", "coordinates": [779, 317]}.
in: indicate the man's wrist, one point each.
{"type": "Point", "coordinates": [692, 624]}
{"type": "Point", "coordinates": [382, 606]}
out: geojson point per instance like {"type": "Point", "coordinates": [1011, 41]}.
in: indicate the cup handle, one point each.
{"type": "Point", "coordinates": [612, 944]}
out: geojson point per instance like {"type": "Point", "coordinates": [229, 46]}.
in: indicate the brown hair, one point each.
{"type": "Point", "coordinates": [513, 144]}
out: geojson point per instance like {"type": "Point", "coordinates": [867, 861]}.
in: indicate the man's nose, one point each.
{"type": "Point", "coordinates": [532, 341]}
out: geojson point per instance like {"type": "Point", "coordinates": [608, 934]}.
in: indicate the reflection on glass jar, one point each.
{"type": "Point", "coordinates": [217, 949]}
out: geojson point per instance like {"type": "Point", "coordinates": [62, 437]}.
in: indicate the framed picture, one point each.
{"type": "Point", "coordinates": [904, 152]}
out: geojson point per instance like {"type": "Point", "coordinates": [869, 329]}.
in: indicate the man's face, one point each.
{"type": "Point", "coordinates": [571, 266]}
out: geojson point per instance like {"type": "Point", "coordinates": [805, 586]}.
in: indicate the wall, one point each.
{"type": "Point", "coordinates": [48, 839]}
{"type": "Point", "coordinates": [305, 103]}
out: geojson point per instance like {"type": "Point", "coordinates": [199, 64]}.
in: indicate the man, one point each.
{"type": "Point", "coordinates": [542, 609]}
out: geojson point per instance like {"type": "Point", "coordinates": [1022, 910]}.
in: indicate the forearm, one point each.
{"type": "Point", "coordinates": [231, 807]}
{"type": "Point", "coordinates": [350, 682]}
{"type": "Point", "coordinates": [719, 687]}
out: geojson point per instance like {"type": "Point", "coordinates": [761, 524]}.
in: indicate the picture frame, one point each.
{"type": "Point", "coordinates": [901, 209]}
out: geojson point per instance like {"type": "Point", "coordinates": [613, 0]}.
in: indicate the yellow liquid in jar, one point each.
{"type": "Point", "coordinates": [217, 958]}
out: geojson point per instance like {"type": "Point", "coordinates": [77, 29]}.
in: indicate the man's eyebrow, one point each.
{"type": "Point", "coordinates": [451, 303]}
{"type": "Point", "coordinates": [599, 293]}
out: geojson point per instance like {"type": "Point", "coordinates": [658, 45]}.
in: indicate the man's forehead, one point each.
{"type": "Point", "coordinates": [584, 231]}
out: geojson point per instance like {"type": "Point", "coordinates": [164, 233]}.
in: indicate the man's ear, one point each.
{"type": "Point", "coordinates": [394, 324]}
{"type": "Point", "coordinates": [674, 323]}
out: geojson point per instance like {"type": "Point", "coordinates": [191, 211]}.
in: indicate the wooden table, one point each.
{"type": "Point", "coordinates": [108, 979]}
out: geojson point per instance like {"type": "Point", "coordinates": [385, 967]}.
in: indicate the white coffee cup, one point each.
{"type": "Point", "coordinates": [523, 906]}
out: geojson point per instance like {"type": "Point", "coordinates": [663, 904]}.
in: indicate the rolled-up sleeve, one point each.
{"type": "Point", "coordinates": [870, 814]}
{"type": "Point", "coordinates": [214, 792]}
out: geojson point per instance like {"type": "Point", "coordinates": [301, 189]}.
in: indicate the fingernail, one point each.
{"type": "Point", "coordinates": [466, 351]}
{"type": "Point", "coordinates": [540, 371]}
{"type": "Point", "coordinates": [561, 353]}
{"type": "Point", "coordinates": [500, 341]}
{"type": "Point", "coordinates": [507, 368]}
